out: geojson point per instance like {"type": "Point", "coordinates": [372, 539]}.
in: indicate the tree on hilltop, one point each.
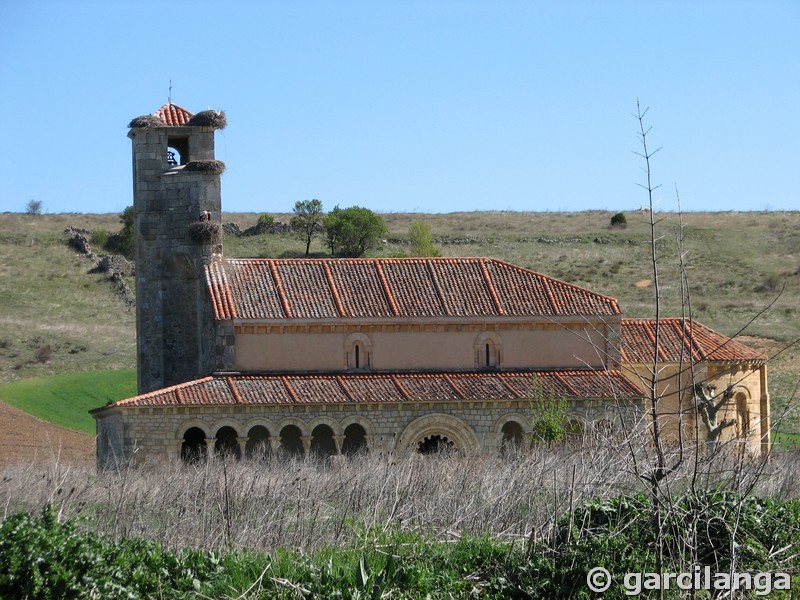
{"type": "Point", "coordinates": [307, 220]}
{"type": "Point", "coordinates": [352, 232]}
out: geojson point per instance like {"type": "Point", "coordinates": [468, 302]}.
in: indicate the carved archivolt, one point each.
{"type": "Point", "coordinates": [453, 428]}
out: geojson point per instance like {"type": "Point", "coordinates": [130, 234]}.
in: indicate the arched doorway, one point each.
{"type": "Point", "coordinates": [227, 444]}
{"type": "Point", "coordinates": [258, 444]}
{"type": "Point", "coordinates": [194, 448]}
{"type": "Point", "coordinates": [355, 440]}
{"type": "Point", "coordinates": [292, 441]}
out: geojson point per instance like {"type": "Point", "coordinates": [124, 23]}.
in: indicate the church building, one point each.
{"type": "Point", "coordinates": [254, 357]}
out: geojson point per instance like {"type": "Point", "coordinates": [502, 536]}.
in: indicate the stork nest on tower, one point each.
{"type": "Point", "coordinates": [205, 166]}
{"type": "Point", "coordinates": [205, 232]}
{"type": "Point", "coordinates": [146, 121]}
{"type": "Point", "coordinates": [209, 118]}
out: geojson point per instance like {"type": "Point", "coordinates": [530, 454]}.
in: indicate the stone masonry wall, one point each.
{"type": "Point", "coordinates": [156, 434]}
{"type": "Point", "coordinates": [175, 327]}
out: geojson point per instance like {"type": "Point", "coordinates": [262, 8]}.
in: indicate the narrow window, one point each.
{"type": "Point", "coordinates": [358, 356]}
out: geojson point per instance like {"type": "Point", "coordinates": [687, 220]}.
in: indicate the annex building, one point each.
{"type": "Point", "coordinates": [258, 356]}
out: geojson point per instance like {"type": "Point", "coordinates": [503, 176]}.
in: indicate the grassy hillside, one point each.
{"type": "Point", "coordinates": [57, 318]}
{"type": "Point", "coordinates": [66, 399]}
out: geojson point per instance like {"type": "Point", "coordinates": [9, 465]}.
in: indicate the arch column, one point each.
{"type": "Point", "coordinates": [242, 444]}
{"type": "Point", "coordinates": [306, 439]}
{"type": "Point", "coordinates": [210, 443]}
{"type": "Point", "coordinates": [275, 444]}
{"type": "Point", "coordinates": [369, 440]}
{"type": "Point", "coordinates": [178, 450]}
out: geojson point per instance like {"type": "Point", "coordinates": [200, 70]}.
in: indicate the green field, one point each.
{"type": "Point", "coordinates": [67, 399]}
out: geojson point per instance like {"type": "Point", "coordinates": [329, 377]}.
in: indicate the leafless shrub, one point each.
{"type": "Point", "coordinates": [308, 504]}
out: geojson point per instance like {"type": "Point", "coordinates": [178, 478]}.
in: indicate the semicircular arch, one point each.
{"type": "Point", "coordinates": [369, 428]}
{"type": "Point", "coordinates": [185, 426]}
{"type": "Point", "coordinates": [260, 421]}
{"type": "Point", "coordinates": [454, 429]}
{"type": "Point", "coordinates": [233, 423]}
{"type": "Point", "coordinates": [322, 420]}
{"type": "Point", "coordinates": [516, 417]}
{"type": "Point", "coordinates": [299, 423]}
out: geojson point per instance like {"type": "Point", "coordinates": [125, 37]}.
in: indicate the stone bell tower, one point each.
{"type": "Point", "coordinates": [176, 199]}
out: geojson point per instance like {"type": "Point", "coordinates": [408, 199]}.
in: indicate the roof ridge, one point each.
{"type": "Point", "coordinates": [448, 378]}
{"type": "Point", "coordinates": [234, 391]}
{"type": "Point", "coordinates": [287, 311]}
{"type": "Point", "coordinates": [685, 330]}
{"type": "Point", "coordinates": [326, 266]}
{"type": "Point", "coordinates": [290, 389]}
{"type": "Point", "coordinates": [345, 388]}
{"type": "Point", "coordinates": [386, 289]}
{"type": "Point", "coordinates": [559, 375]}
{"type": "Point", "coordinates": [437, 288]}
{"type": "Point", "coordinates": [502, 378]}
{"type": "Point", "coordinates": [487, 278]}
{"type": "Point", "coordinates": [398, 384]}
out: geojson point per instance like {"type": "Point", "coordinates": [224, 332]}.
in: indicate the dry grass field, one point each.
{"type": "Point", "coordinates": [58, 318]}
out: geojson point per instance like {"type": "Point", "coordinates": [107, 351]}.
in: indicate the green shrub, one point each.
{"type": "Point", "coordinates": [266, 219]}
{"type": "Point", "coordinates": [42, 558]}
{"type": "Point", "coordinates": [619, 221]}
{"type": "Point", "coordinates": [123, 241]}
{"type": "Point", "coordinates": [99, 238]}
{"type": "Point", "coordinates": [419, 233]}
{"type": "Point", "coordinates": [354, 231]}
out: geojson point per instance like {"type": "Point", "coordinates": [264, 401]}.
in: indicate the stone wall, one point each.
{"type": "Point", "coordinates": [153, 434]}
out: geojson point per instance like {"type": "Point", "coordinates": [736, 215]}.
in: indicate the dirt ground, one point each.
{"type": "Point", "coordinates": [28, 440]}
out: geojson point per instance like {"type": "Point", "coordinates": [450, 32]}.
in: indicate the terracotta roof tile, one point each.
{"type": "Point", "coordinates": [382, 287]}
{"type": "Point", "coordinates": [173, 115]}
{"type": "Point", "coordinates": [360, 289]}
{"type": "Point", "coordinates": [382, 387]}
{"type": "Point", "coordinates": [681, 340]}
{"type": "Point", "coordinates": [307, 290]}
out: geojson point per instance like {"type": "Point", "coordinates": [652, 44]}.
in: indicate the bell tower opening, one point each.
{"type": "Point", "coordinates": [177, 151]}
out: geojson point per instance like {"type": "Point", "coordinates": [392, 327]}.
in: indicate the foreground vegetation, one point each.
{"type": "Point", "coordinates": [530, 525]}
{"type": "Point", "coordinates": [44, 558]}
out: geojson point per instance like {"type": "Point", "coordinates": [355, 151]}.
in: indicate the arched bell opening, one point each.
{"type": "Point", "coordinates": [177, 151]}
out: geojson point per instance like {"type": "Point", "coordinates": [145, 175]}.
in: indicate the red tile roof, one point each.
{"type": "Point", "coordinates": [681, 341]}
{"type": "Point", "coordinates": [173, 115]}
{"type": "Point", "coordinates": [256, 288]}
{"type": "Point", "coordinates": [383, 387]}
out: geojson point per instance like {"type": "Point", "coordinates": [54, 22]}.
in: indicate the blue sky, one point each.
{"type": "Point", "coordinates": [433, 106]}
